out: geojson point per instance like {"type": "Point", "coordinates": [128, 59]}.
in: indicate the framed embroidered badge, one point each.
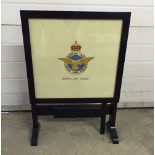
{"type": "Point", "coordinates": [74, 55]}
{"type": "Point", "coordinates": [75, 64]}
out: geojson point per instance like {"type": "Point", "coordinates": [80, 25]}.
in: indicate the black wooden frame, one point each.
{"type": "Point", "coordinates": [60, 107]}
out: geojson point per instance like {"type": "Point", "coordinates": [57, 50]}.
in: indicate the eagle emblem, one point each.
{"type": "Point", "coordinates": [76, 62]}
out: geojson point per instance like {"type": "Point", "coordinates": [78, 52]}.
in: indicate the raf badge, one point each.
{"type": "Point", "coordinates": [76, 62]}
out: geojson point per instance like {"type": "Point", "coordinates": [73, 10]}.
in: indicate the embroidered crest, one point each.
{"type": "Point", "coordinates": [76, 62]}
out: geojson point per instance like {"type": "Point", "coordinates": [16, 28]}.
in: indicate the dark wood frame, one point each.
{"type": "Point", "coordinates": [61, 107]}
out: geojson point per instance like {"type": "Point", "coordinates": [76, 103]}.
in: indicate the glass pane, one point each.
{"type": "Point", "coordinates": [74, 58]}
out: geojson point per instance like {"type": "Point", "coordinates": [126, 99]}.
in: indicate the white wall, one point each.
{"type": "Point", "coordinates": [137, 88]}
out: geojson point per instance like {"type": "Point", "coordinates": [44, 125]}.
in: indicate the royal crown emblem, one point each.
{"type": "Point", "coordinates": [76, 62]}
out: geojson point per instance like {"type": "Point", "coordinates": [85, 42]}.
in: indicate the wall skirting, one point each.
{"type": "Point", "coordinates": [120, 105]}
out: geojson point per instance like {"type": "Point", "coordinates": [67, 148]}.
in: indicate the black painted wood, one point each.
{"type": "Point", "coordinates": [113, 133]}
{"type": "Point", "coordinates": [35, 134]}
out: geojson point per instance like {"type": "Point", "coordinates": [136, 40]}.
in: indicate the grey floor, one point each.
{"type": "Point", "coordinates": [78, 136]}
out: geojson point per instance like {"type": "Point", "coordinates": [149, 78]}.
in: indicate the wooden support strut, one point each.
{"type": "Point", "coordinates": [36, 126]}
{"type": "Point", "coordinates": [103, 118]}
{"type": "Point", "coordinates": [111, 125]}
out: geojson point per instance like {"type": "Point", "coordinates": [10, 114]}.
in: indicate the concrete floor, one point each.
{"type": "Point", "coordinates": [78, 136]}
